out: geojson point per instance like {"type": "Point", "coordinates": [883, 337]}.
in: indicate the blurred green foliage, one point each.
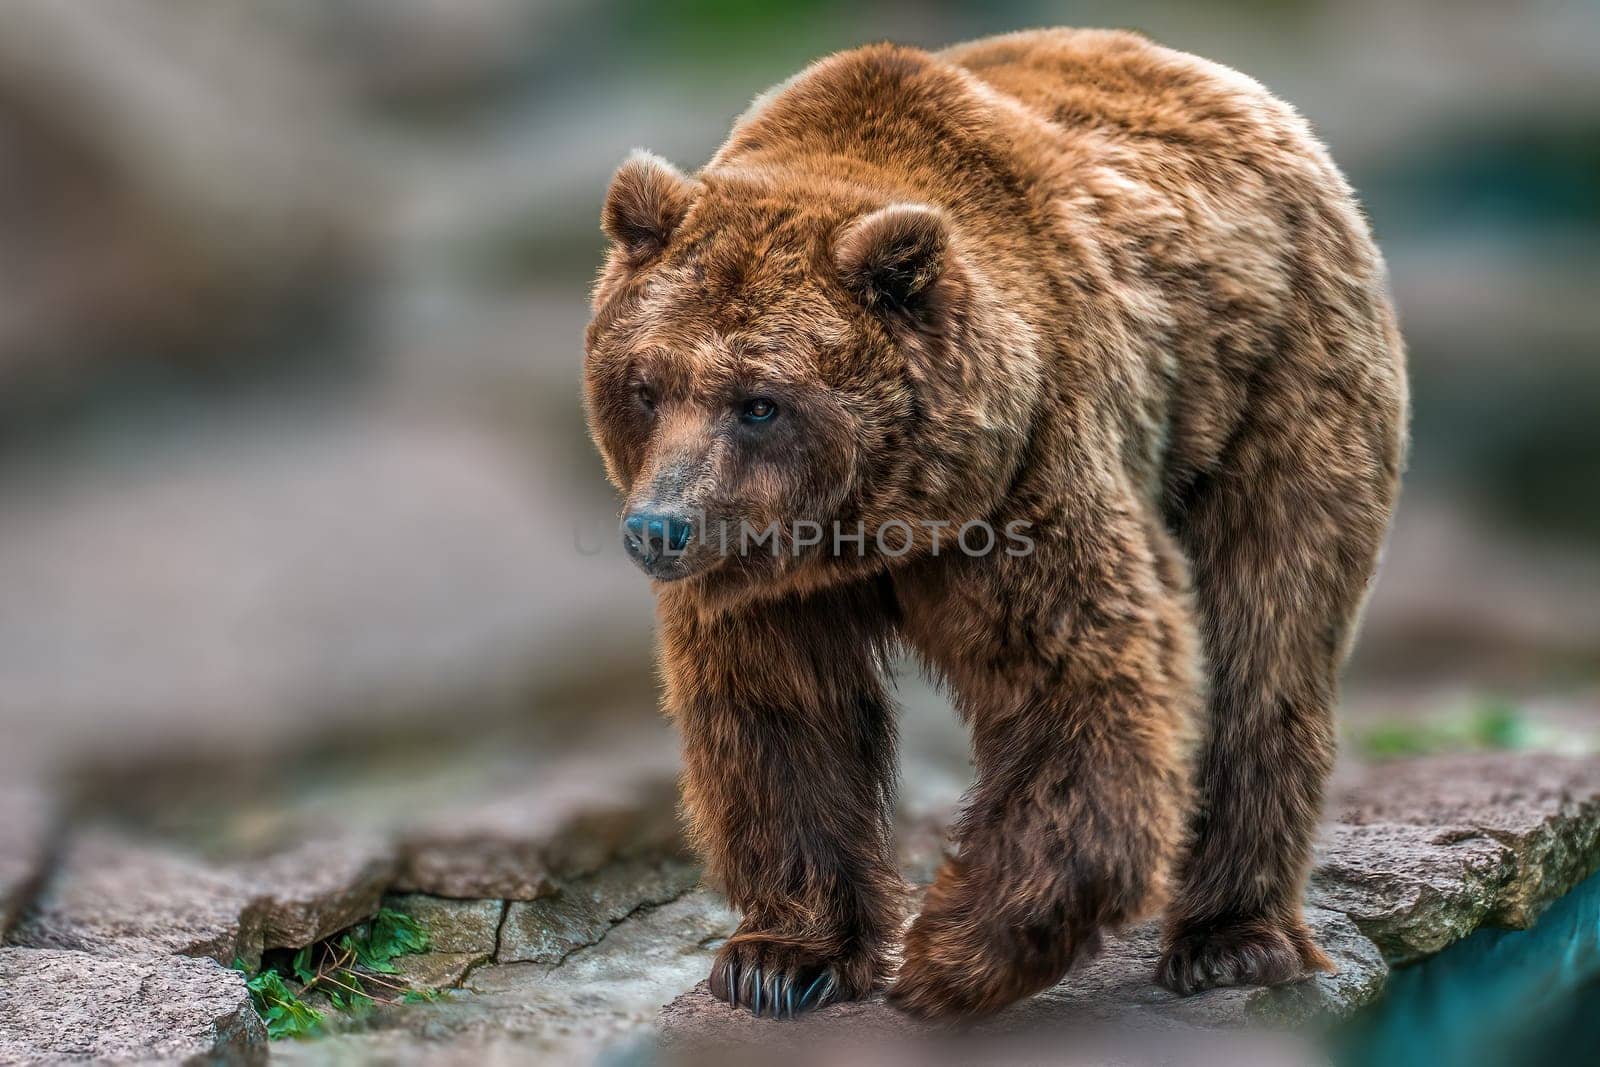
{"type": "Point", "coordinates": [1495, 725]}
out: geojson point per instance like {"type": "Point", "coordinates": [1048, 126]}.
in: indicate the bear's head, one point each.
{"type": "Point", "coordinates": [779, 367]}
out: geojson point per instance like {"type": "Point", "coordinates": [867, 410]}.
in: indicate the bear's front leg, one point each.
{"type": "Point", "coordinates": [789, 788]}
{"type": "Point", "coordinates": [1076, 667]}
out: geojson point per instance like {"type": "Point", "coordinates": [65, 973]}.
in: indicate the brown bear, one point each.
{"type": "Point", "coordinates": [1105, 305]}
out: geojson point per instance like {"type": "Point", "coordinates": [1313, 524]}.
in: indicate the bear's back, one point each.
{"type": "Point", "coordinates": [1169, 104]}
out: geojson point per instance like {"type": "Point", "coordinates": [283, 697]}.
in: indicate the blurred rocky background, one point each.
{"type": "Point", "coordinates": [297, 508]}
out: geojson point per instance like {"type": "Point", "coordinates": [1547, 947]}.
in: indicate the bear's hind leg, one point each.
{"type": "Point", "coordinates": [1282, 547]}
{"type": "Point", "coordinates": [789, 759]}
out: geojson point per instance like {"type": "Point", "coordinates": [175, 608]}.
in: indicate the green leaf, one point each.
{"type": "Point", "coordinates": [285, 1014]}
{"type": "Point", "coordinates": [395, 934]}
{"type": "Point", "coordinates": [390, 935]}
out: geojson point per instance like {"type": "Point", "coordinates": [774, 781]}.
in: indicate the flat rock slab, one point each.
{"type": "Point", "coordinates": [58, 1007]}
{"type": "Point", "coordinates": [584, 910]}
{"type": "Point", "coordinates": [114, 896]}
{"type": "Point", "coordinates": [461, 935]}
{"type": "Point", "coordinates": [1419, 854]}
{"type": "Point", "coordinates": [120, 896]}
{"type": "Point", "coordinates": [319, 888]}
{"type": "Point", "coordinates": [1113, 999]}
{"type": "Point", "coordinates": [470, 926]}
{"type": "Point", "coordinates": [571, 821]}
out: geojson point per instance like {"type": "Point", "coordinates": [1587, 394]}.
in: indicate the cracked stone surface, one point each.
{"type": "Point", "coordinates": [1418, 854]}
{"type": "Point", "coordinates": [27, 832]}
{"type": "Point", "coordinates": [58, 1007]}
{"type": "Point", "coordinates": [461, 935]}
{"type": "Point", "coordinates": [604, 996]}
{"type": "Point", "coordinates": [581, 912]}
{"type": "Point", "coordinates": [453, 925]}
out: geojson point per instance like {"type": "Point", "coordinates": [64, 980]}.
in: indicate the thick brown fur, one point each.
{"type": "Point", "coordinates": [1064, 278]}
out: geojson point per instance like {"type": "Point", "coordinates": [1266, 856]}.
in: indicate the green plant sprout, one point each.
{"type": "Point", "coordinates": [350, 969]}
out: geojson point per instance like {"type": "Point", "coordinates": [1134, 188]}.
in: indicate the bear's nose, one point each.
{"type": "Point", "coordinates": [652, 536]}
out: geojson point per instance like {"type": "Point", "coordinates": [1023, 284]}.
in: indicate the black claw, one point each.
{"type": "Point", "coordinates": [788, 1000]}
{"type": "Point", "coordinates": [756, 994]}
{"type": "Point", "coordinates": [731, 976]}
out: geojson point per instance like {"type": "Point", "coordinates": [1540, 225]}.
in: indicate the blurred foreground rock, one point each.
{"type": "Point", "coordinates": [74, 1007]}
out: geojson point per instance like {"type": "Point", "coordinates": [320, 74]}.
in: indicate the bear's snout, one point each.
{"type": "Point", "coordinates": [656, 541]}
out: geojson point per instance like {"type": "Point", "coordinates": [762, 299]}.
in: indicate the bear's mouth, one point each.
{"type": "Point", "coordinates": [680, 566]}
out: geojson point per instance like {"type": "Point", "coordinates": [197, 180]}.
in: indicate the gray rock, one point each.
{"type": "Point", "coordinates": [584, 814]}
{"type": "Point", "coordinates": [1423, 852]}
{"type": "Point", "coordinates": [1113, 999]}
{"type": "Point", "coordinates": [60, 1007]}
{"type": "Point", "coordinates": [1411, 889]}
{"type": "Point", "coordinates": [438, 970]}
{"type": "Point", "coordinates": [319, 888]}
{"type": "Point", "coordinates": [114, 896]}
{"type": "Point", "coordinates": [461, 935]}
{"type": "Point", "coordinates": [27, 835]}
{"type": "Point", "coordinates": [468, 926]}
{"type": "Point", "coordinates": [584, 910]}
{"type": "Point", "coordinates": [215, 188]}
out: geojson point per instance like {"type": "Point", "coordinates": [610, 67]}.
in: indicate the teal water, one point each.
{"type": "Point", "coordinates": [1500, 998]}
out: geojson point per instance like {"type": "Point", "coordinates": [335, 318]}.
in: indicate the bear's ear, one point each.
{"type": "Point", "coordinates": [893, 257]}
{"type": "Point", "coordinates": [647, 201]}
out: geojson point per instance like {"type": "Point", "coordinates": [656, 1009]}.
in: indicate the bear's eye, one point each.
{"type": "Point", "coordinates": [646, 397]}
{"type": "Point", "coordinates": [759, 409]}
